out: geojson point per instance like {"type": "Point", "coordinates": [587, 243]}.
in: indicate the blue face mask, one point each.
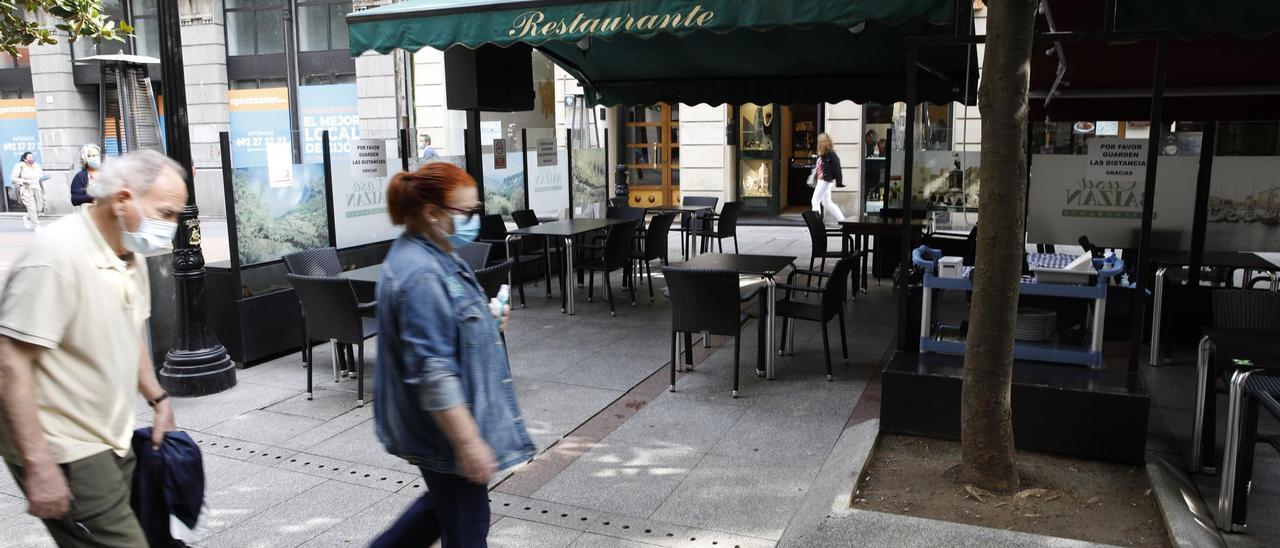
{"type": "Point", "coordinates": [465, 230]}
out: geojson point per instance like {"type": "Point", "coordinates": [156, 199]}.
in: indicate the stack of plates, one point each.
{"type": "Point", "coordinates": [1035, 324]}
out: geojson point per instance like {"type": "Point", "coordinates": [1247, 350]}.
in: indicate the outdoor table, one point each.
{"type": "Point", "coordinates": [1162, 260]}
{"type": "Point", "coordinates": [864, 227]}
{"type": "Point", "coordinates": [364, 275]}
{"type": "Point", "coordinates": [691, 209]}
{"type": "Point", "coordinates": [567, 230]}
{"type": "Point", "coordinates": [765, 266]}
{"type": "Point", "coordinates": [1259, 348]}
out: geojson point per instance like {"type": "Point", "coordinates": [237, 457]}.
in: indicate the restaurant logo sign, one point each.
{"type": "Point", "coordinates": [536, 23]}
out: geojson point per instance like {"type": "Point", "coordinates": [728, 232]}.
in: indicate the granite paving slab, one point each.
{"type": "Point", "coordinates": [621, 478]}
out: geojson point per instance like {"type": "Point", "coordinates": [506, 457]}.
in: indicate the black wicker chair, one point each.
{"type": "Point", "coordinates": [616, 255]}
{"type": "Point", "coordinates": [525, 218]}
{"type": "Point", "coordinates": [322, 261]}
{"type": "Point", "coordinates": [655, 247]}
{"type": "Point", "coordinates": [690, 222]}
{"type": "Point", "coordinates": [830, 306]}
{"type": "Point", "coordinates": [725, 226]}
{"type": "Point", "coordinates": [709, 302]}
{"type": "Point", "coordinates": [494, 231]}
{"type": "Point", "coordinates": [475, 254]}
{"type": "Point", "coordinates": [493, 276]}
{"type": "Point", "coordinates": [1250, 314]}
{"type": "Point", "coordinates": [819, 241]}
{"type": "Point", "coordinates": [334, 315]}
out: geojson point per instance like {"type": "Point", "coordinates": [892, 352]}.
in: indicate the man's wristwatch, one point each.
{"type": "Point", "coordinates": [155, 402]}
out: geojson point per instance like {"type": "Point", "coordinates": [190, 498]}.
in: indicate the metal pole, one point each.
{"type": "Point", "coordinates": [328, 187]}
{"type": "Point", "coordinates": [405, 148]}
{"type": "Point", "coordinates": [292, 80]}
{"type": "Point", "coordinates": [474, 150]}
{"type": "Point", "coordinates": [904, 259]}
{"type": "Point", "coordinates": [524, 163]}
{"type": "Point", "coordinates": [228, 197]}
{"type": "Point", "coordinates": [197, 364]}
{"type": "Point", "coordinates": [1200, 225]}
{"type": "Point", "coordinates": [568, 159]}
{"type": "Point", "coordinates": [1138, 308]}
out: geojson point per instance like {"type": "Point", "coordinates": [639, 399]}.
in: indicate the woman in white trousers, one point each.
{"type": "Point", "coordinates": [827, 178]}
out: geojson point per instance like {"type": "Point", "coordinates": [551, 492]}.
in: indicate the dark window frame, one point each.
{"type": "Point", "coordinates": [328, 14]}
{"type": "Point", "coordinates": [256, 66]}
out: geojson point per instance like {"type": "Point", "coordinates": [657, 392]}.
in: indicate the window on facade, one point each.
{"type": "Point", "coordinates": [255, 27]}
{"type": "Point", "coordinates": [8, 62]}
{"type": "Point", "coordinates": [259, 83]}
{"type": "Point", "coordinates": [146, 28]}
{"type": "Point", "coordinates": [933, 129]}
{"type": "Point", "coordinates": [322, 24]}
{"type": "Point", "coordinates": [1248, 139]}
{"type": "Point", "coordinates": [115, 10]}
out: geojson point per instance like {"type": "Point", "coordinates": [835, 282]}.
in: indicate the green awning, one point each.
{"type": "Point", "coordinates": [708, 51]}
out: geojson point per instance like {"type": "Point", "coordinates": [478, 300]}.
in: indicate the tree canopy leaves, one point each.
{"type": "Point", "coordinates": [20, 24]}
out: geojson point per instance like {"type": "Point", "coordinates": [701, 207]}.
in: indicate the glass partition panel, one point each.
{"type": "Point", "coordinates": [548, 173]}
{"type": "Point", "coordinates": [278, 202]}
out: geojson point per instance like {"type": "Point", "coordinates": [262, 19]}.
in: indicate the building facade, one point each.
{"type": "Point", "coordinates": [267, 70]}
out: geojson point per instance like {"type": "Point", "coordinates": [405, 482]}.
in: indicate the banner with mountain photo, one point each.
{"type": "Point", "coordinates": [277, 215]}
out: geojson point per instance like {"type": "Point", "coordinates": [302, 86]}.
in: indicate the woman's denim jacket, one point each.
{"type": "Point", "coordinates": [439, 347]}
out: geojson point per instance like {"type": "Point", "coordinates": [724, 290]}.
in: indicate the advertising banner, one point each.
{"type": "Point", "coordinates": [1244, 204]}
{"type": "Point", "coordinates": [549, 186]}
{"type": "Point", "coordinates": [259, 117]}
{"type": "Point", "coordinates": [359, 199]}
{"type": "Point", "coordinates": [18, 133]}
{"type": "Point", "coordinates": [504, 186]}
{"type": "Point", "coordinates": [272, 219]}
{"type": "Point", "coordinates": [332, 108]}
{"type": "Point", "coordinates": [590, 176]}
{"type": "Point", "coordinates": [1071, 198]}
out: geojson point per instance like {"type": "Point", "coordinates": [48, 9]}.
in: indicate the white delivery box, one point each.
{"type": "Point", "coordinates": [950, 267]}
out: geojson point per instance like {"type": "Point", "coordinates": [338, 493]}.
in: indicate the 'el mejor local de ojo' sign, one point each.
{"type": "Point", "coordinates": [532, 24]}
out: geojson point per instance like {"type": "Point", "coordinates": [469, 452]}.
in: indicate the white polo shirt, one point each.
{"type": "Point", "coordinates": [69, 293]}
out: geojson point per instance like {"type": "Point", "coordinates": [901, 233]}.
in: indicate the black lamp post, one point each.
{"type": "Point", "coordinates": [197, 365]}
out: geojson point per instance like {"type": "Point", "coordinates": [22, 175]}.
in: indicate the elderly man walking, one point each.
{"type": "Point", "coordinates": [72, 353]}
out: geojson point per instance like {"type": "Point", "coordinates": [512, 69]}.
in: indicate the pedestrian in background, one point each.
{"type": "Point", "coordinates": [446, 403]}
{"type": "Point", "coordinates": [72, 353]}
{"type": "Point", "coordinates": [27, 176]}
{"type": "Point", "coordinates": [426, 152]}
{"type": "Point", "coordinates": [90, 161]}
{"type": "Point", "coordinates": [828, 176]}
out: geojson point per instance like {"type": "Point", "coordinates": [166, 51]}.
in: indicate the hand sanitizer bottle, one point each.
{"type": "Point", "coordinates": [497, 304]}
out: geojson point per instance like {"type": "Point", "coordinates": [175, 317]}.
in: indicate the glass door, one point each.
{"type": "Point", "coordinates": [758, 146]}
{"type": "Point", "coordinates": [652, 136]}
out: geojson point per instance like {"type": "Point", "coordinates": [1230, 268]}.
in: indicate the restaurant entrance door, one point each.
{"type": "Point", "coordinates": [652, 154]}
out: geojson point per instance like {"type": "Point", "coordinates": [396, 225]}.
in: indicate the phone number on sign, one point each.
{"type": "Point", "coordinates": [250, 142]}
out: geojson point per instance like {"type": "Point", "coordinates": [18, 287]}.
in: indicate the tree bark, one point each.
{"type": "Point", "coordinates": [986, 430]}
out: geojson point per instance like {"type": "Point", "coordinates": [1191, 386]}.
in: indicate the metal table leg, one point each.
{"type": "Point", "coordinates": [1233, 494]}
{"type": "Point", "coordinates": [926, 317]}
{"type": "Point", "coordinates": [771, 294]}
{"type": "Point", "coordinates": [1099, 325]}
{"type": "Point", "coordinates": [1156, 309]}
{"type": "Point", "coordinates": [568, 261]}
{"type": "Point", "coordinates": [511, 273]}
{"type": "Point", "coordinates": [1203, 446]}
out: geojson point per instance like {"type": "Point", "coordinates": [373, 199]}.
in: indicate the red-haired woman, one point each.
{"type": "Point", "coordinates": [445, 401]}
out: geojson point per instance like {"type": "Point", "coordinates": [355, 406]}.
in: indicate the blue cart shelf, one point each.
{"type": "Point", "coordinates": [927, 259]}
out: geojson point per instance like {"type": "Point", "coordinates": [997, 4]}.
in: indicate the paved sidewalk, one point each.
{"type": "Point", "coordinates": [623, 462]}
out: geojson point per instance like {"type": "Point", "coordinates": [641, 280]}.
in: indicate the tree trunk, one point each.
{"type": "Point", "coordinates": [986, 430]}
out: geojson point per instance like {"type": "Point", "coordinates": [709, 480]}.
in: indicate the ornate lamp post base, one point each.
{"type": "Point", "coordinates": [197, 372]}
